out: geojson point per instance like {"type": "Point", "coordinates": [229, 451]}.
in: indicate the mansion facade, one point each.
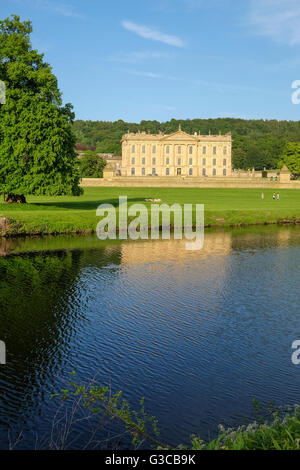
{"type": "Point", "coordinates": [177, 154]}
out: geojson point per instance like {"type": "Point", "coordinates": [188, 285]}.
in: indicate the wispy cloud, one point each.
{"type": "Point", "coordinates": [189, 6]}
{"type": "Point", "coordinates": [278, 19]}
{"type": "Point", "coordinates": [197, 4]}
{"type": "Point", "coordinates": [218, 87]}
{"type": "Point", "coordinates": [59, 8]}
{"type": "Point", "coordinates": [148, 74]}
{"type": "Point", "coordinates": [138, 57]}
{"type": "Point", "coordinates": [153, 34]}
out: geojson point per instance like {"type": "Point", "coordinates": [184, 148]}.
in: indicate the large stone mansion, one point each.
{"type": "Point", "coordinates": [177, 154]}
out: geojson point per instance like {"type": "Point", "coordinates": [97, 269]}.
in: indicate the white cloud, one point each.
{"type": "Point", "coordinates": [147, 74]}
{"type": "Point", "coordinates": [141, 56]}
{"type": "Point", "coordinates": [153, 34]}
{"type": "Point", "coordinates": [59, 8]}
{"type": "Point", "coordinates": [145, 55]}
{"type": "Point", "coordinates": [278, 19]}
{"type": "Point", "coordinates": [188, 5]}
{"type": "Point", "coordinates": [216, 86]}
{"type": "Point", "coordinates": [196, 4]}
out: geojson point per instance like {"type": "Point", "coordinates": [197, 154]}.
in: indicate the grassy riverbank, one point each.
{"type": "Point", "coordinates": [223, 207]}
{"type": "Point", "coordinates": [281, 433]}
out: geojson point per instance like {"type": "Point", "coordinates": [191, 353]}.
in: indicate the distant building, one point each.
{"type": "Point", "coordinates": [113, 161]}
{"type": "Point", "coordinates": [177, 154]}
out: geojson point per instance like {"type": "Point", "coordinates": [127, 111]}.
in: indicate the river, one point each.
{"type": "Point", "coordinates": [198, 334]}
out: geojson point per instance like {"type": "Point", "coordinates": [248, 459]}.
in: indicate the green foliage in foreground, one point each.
{"type": "Point", "coordinates": [107, 407]}
{"type": "Point", "coordinates": [280, 432]}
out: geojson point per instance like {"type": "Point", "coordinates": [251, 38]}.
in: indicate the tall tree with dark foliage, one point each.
{"type": "Point", "coordinates": [36, 140]}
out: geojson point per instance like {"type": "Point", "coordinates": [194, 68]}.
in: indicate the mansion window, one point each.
{"type": "Point", "coordinates": [143, 148]}
{"type": "Point", "coordinates": [179, 161]}
{"type": "Point", "coordinates": [154, 149]}
{"type": "Point", "coordinates": [224, 173]}
{"type": "Point", "coordinates": [143, 171]}
{"type": "Point", "coordinates": [215, 150]}
{"type": "Point", "coordinates": [224, 162]}
{"type": "Point", "coordinates": [191, 150]}
{"type": "Point", "coordinates": [133, 149]}
{"type": "Point", "coordinates": [153, 161]}
{"type": "Point", "coordinates": [133, 161]}
{"type": "Point", "coordinates": [214, 172]}
{"type": "Point", "coordinates": [204, 161]}
{"type": "Point", "coordinates": [225, 151]}
{"type": "Point", "coordinates": [153, 171]}
{"type": "Point", "coordinates": [204, 172]}
{"type": "Point", "coordinates": [190, 161]}
{"type": "Point", "coordinates": [132, 171]}
{"type": "Point", "coordinates": [143, 161]}
{"type": "Point", "coordinates": [167, 161]}
{"type": "Point", "coordinates": [191, 171]}
{"type": "Point", "coordinates": [204, 150]}
{"type": "Point", "coordinates": [214, 162]}
{"type": "Point", "coordinates": [167, 149]}
{"type": "Point", "coordinates": [167, 171]}
{"type": "Point", "coordinates": [179, 150]}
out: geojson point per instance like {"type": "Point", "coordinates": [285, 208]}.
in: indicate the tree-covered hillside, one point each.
{"type": "Point", "coordinates": [256, 143]}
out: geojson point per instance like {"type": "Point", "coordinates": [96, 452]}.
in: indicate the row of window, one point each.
{"type": "Point", "coordinates": [179, 161]}
{"type": "Point", "coordinates": [204, 172]}
{"type": "Point", "coordinates": [178, 150]}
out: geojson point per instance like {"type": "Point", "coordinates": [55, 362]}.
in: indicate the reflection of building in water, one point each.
{"type": "Point", "coordinates": [284, 236]}
{"type": "Point", "coordinates": [165, 276]}
{"type": "Point", "coordinates": [218, 243]}
{"type": "Point", "coordinates": [264, 237]}
{"type": "Point", "coordinates": [215, 243]}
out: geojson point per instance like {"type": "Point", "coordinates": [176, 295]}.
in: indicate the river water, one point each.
{"type": "Point", "coordinates": [199, 334]}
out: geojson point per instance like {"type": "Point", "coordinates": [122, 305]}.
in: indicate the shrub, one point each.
{"type": "Point", "coordinates": [91, 165]}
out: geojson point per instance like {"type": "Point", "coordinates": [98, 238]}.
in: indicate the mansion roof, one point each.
{"type": "Point", "coordinates": [178, 135]}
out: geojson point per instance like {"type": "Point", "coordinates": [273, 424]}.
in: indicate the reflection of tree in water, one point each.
{"type": "Point", "coordinates": [39, 311]}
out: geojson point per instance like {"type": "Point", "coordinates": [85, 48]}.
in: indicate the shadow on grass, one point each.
{"type": "Point", "coordinates": [83, 205]}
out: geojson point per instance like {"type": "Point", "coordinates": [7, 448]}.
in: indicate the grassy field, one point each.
{"type": "Point", "coordinates": [223, 207]}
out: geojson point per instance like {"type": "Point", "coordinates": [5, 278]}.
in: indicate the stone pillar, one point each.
{"type": "Point", "coordinates": [284, 175]}
{"type": "Point", "coordinates": [108, 172]}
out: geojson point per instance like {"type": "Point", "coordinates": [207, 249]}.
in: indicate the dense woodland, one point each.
{"type": "Point", "coordinates": [256, 143]}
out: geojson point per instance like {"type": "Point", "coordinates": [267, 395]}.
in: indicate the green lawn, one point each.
{"type": "Point", "coordinates": [224, 207]}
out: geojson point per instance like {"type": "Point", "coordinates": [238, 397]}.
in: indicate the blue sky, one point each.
{"type": "Point", "coordinates": [164, 59]}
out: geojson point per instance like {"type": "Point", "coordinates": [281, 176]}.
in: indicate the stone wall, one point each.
{"type": "Point", "coordinates": [177, 182]}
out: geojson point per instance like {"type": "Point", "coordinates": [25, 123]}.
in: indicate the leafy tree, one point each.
{"type": "Point", "coordinates": [36, 141]}
{"type": "Point", "coordinates": [91, 165]}
{"type": "Point", "coordinates": [238, 158]}
{"type": "Point", "coordinates": [291, 157]}
{"type": "Point", "coordinates": [255, 157]}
